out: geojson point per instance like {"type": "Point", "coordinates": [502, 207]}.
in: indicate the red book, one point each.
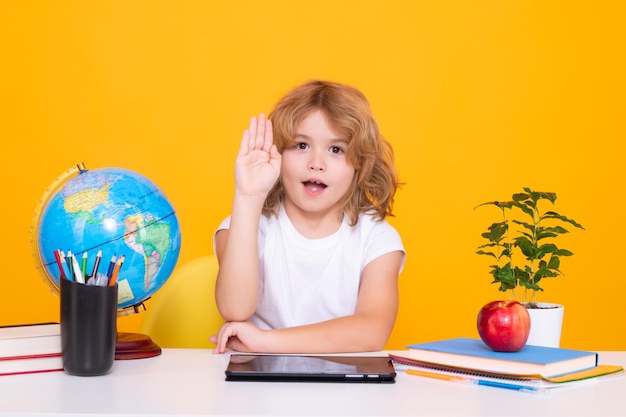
{"type": "Point", "coordinates": [30, 348]}
{"type": "Point", "coordinates": [31, 364]}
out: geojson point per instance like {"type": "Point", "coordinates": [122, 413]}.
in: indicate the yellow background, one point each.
{"type": "Point", "coordinates": [478, 98]}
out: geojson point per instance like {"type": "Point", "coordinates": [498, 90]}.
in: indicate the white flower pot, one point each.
{"type": "Point", "coordinates": [546, 322]}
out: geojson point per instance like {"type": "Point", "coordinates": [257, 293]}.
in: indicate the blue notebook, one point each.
{"type": "Point", "coordinates": [531, 360]}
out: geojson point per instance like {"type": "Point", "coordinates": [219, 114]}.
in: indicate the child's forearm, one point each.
{"type": "Point", "coordinates": [238, 277]}
{"type": "Point", "coordinates": [355, 333]}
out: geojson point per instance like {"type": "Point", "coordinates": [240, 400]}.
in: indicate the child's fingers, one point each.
{"type": "Point", "coordinates": [258, 136]}
{"type": "Point", "coordinates": [260, 132]}
{"type": "Point", "coordinates": [253, 133]}
{"type": "Point", "coordinates": [245, 143]}
{"type": "Point", "coordinates": [268, 139]}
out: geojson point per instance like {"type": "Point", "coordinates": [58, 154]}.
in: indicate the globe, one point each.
{"type": "Point", "coordinates": [112, 212]}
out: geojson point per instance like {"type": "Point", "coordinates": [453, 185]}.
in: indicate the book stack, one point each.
{"type": "Point", "coordinates": [532, 368]}
{"type": "Point", "coordinates": [30, 348]}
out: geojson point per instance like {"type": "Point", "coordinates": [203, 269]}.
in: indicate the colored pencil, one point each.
{"type": "Point", "coordinates": [78, 276]}
{"type": "Point", "coordinates": [70, 264]}
{"type": "Point", "coordinates": [116, 270]}
{"type": "Point", "coordinates": [96, 264]}
{"type": "Point", "coordinates": [83, 267]}
{"type": "Point", "coordinates": [57, 256]}
{"type": "Point", "coordinates": [111, 266]}
{"type": "Point", "coordinates": [436, 375]}
{"type": "Point", "coordinates": [66, 268]}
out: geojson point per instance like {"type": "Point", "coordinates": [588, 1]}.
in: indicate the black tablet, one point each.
{"type": "Point", "coordinates": [310, 368]}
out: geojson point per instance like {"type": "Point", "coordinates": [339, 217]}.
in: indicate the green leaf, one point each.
{"type": "Point", "coordinates": [522, 275]}
{"type": "Point", "coordinates": [488, 245]}
{"type": "Point", "coordinates": [526, 225]}
{"type": "Point", "coordinates": [546, 196]}
{"type": "Point", "coordinates": [525, 208]}
{"type": "Point", "coordinates": [505, 276]}
{"type": "Point", "coordinates": [555, 229]}
{"type": "Point", "coordinates": [547, 248]}
{"type": "Point", "coordinates": [521, 196]}
{"type": "Point", "coordinates": [495, 231]}
{"type": "Point", "coordinates": [480, 252]}
{"type": "Point", "coordinates": [526, 246]}
{"type": "Point", "coordinates": [543, 233]}
{"type": "Point", "coordinates": [555, 262]}
{"type": "Point", "coordinates": [528, 235]}
{"type": "Point", "coordinates": [554, 215]}
{"type": "Point", "coordinates": [501, 204]}
{"type": "Point", "coordinates": [533, 286]}
{"type": "Point", "coordinates": [544, 273]}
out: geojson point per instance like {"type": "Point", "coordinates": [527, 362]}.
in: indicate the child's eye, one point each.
{"type": "Point", "coordinates": [336, 149]}
{"type": "Point", "coordinates": [301, 145]}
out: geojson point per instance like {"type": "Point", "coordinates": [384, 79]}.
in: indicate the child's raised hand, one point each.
{"type": "Point", "coordinates": [258, 163]}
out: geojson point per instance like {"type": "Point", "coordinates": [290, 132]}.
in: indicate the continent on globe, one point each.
{"type": "Point", "coordinates": [153, 244]}
{"type": "Point", "coordinates": [117, 211]}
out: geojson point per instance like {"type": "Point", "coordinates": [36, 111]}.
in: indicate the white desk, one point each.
{"type": "Point", "coordinates": [184, 382]}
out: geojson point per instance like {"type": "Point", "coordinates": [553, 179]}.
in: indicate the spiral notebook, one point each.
{"type": "Point", "coordinates": [511, 381]}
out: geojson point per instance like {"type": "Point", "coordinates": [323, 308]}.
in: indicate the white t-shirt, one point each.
{"type": "Point", "coordinates": [304, 281]}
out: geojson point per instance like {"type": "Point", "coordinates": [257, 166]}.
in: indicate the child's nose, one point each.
{"type": "Point", "coordinates": [317, 162]}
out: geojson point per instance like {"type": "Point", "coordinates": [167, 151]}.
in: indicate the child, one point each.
{"type": "Point", "coordinates": [308, 263]}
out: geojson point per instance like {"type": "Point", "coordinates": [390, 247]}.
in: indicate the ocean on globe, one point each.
{"type": "Point", "coordinates": [120, 213]}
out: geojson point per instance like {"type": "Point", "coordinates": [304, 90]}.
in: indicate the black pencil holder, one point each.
{"type": "Point", "coordinates": [88, 328]}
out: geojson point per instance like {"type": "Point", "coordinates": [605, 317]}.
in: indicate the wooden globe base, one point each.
{"type": "Point", "coordinates": [135, 346]}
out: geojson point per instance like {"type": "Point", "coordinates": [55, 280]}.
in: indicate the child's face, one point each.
{"type": "Point", "coordinates": [315, 172]}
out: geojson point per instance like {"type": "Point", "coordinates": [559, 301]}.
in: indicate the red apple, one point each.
{"type": "Point", "coordinates": [504, 325]}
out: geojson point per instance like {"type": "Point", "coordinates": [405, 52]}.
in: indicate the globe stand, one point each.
{"type": "Point", "coordinates": [134, 345]}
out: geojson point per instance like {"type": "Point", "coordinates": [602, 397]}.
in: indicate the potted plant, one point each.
{"type": "Point", "coordinates": [528, 254]}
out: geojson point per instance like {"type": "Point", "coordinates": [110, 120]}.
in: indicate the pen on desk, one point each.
{"type": "Point", "coordinates": [477, 381]}
{"type": "Point", "coordinates": [452, 378]}
{"type": "Point", "coordinates": [509, 385]}
{"type": "Point", "coordinates": [96, 264]}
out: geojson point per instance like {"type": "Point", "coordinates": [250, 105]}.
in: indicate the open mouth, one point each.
{"type": "Point", "coordinates": [314, 186]}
